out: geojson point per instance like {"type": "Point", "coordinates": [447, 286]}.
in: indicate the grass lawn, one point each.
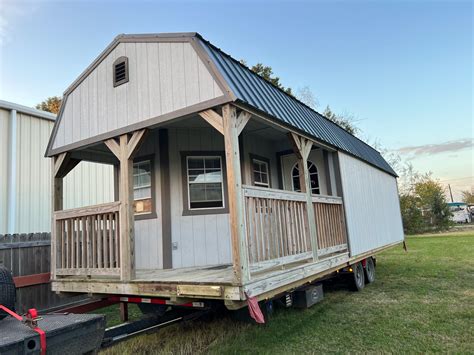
{"type": "Point", "coordinates": [422, 301]}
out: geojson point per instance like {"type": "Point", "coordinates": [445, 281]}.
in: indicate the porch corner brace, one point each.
{"type": "Point", "coordinates": [232, 126]}
{"type": "Point", "coordinates": [124, 150]}
{"type": "Point", "coordinates": [302, 147]}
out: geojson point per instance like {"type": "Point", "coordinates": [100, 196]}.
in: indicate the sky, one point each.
{"type": "Point", "coordinates": [403, 69]}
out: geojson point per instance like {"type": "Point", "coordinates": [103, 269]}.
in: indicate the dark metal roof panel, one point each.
{"type": "Point", "coordinates": [257, 92]}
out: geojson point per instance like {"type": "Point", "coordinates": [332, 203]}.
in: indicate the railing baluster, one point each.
{"type": "Point", "coordinates": [111, 239]}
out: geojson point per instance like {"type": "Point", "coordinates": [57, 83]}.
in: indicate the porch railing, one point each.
{"type": "Point", "coordinates": [277, 229]}
{"type": "Point", "coordinates": [330, 224]}
{"type": "Point", "coordinates": [87, 240]}
{"type": "Point", "coordinates": [276, 223]}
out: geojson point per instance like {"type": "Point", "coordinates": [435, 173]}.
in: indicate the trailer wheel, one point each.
{"type": "Point", "coordinates": [369, 270]}
{"type": "Point", "coordinates": [359, 277]}
{"type": "Point", "coordinates": [7, 291]}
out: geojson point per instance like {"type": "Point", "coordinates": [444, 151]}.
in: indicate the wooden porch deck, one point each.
{"type": "Point", "coordinates": [215, 274]}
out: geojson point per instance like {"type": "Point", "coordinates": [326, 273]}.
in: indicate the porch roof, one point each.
{"type": "Point", "coordinates": [252, 90]}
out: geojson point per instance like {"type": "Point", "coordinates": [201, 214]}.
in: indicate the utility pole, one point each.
{"type": "Point", "coordinates": [450, 192]}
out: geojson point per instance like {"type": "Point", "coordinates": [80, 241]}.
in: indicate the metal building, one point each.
{"type": "Point", "coordinates": [25, 174]}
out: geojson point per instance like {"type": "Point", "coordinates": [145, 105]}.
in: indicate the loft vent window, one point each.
{"type": "Point", "coordinates": [120, 71]}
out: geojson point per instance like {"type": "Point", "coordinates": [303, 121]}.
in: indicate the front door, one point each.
{"type": "Point", "coordinates": [317, 174]}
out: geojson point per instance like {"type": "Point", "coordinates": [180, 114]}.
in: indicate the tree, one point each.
{"type": "Point", "coordinates": [433, 200]}
{"type": "Point", "coordinates": [412, 217]}
{"type": "Point", "coordinates": [468, 196]}
{"type": "Point", "coordinates": [306, 96]}
{"type": "Point", "coordinates": [345, 121]}
{"type": "Point", "coordinates": [51, 104]}
{"type": "Point", "coordinates": [266, 72]}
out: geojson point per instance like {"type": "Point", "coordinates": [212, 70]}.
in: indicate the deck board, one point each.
{"type": "Point", "coordinates": [216, 274]}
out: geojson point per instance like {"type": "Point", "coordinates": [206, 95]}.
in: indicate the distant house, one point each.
{"type": "Point", "coordinates": [25, 174]}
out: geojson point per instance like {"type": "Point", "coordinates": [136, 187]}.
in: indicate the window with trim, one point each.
{"type": "Point", "coordinates": [142, 187]}
{"type": "Point", "coordinates": [313, 177]}
{"type": "Point", "coordinates": [260, 172]}
{"type": "Point", "coordinates": [204, 182]}
{"type": "Point", "coordinates": [120, 70]}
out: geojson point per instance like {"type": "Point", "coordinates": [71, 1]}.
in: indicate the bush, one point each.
{"type": "Point", "coordinates": [412, 217]}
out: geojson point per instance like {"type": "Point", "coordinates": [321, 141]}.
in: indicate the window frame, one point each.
{"type": "Point", "coordinates": [309, 175]}
{"type": "Point", "coordinates": [152, 214]}
{"type": "Point", "coordinates": [119, 60]}
{"type": "Point", "coordinates": [264, 160]}
{"type": "Point", "coordinates": [187, 210]}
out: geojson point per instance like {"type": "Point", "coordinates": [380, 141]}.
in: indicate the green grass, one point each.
{"type": "Point", "coordinates": [422, 301]}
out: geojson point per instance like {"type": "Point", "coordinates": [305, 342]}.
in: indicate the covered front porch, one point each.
{"type": "Point", "coordinates": [274, 211]}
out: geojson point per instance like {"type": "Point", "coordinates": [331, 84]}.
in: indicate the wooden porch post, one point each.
{"type": "Point", "coordinates": [302, 148]}
{"type": "Point", "coordinates": [231, 129]}
{"type": "Point", "coordinates": [62, 164]}
{"type": "Point", "coordinates": [230, 125]}
{"type": "Point", "coordinates": [124, 151]}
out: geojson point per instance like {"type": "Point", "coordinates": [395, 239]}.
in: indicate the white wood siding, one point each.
{"type": "Point", "coordinates": [204, 239]}
{"type": "Point", "coordinates": [371, 204]}
{"type": "Point", "coordinates": [163, 77]}
{"type": "Point", "coordinates": [87, 184]}
{"type": "Point", "coordinates": [148, 232]}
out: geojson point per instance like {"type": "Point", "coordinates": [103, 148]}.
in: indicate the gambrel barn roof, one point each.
{"type": "Point", "coordinates": [229, 80]}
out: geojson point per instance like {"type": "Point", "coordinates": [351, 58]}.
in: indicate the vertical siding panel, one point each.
{"type": "Point", "coordinates": [103, 110]}
{"type": "Point", "coordinates": [177, 76]}
{"type": "Point", "coordinates": [76, 115]}
{"type": "Point", "coordinates": [198, 234]}
{"type": "Point", "coordinates": [212, 239]}
{"type": "Point", "coordinates": [371, 205]}
{"type": "Point", "coordinates": [66, 121]}
{"type": "Point", "coordinates": [153, 79]}
{"type": "Point", "coordinates": [166, 87]}
{"type": "Point", "coordinates": [142, 81]}
{"type": "Point", "coordinates": [119, 94]}
{"type": "Point", "coordinates": [191, 75]}
{"type": "Point", "coordinates": [132, 99]}
{"type": "Point", "coordinates": [176, 200]}
{"type": "Point", "coordinates": [206, 86]}
{"type": "Point", "coordinates": [84, 110]}
{"type": "Point", "coordinates": [93, 108]}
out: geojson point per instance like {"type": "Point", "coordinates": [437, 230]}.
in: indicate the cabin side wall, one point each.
{"type": "Point", "coordinates": [163, 78]}
{"type": "Point", "coordinates": [371, 205]}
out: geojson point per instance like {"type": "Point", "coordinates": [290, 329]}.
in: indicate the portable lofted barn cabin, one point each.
{"type": "Point", "coordinates": [225, 186]}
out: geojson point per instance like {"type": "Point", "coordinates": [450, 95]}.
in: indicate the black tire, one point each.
{"type": "Point", "coordinates": [153, 309]}
{"type": "Point", "coordinates": [369, 270]}
{"type": "Point", "coordinates": [7, 291]}
{"type": "Point", "coordinates": [358, 280]}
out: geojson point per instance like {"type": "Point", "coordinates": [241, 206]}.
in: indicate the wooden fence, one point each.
{"type": "Point", "coordinates": [28, 257]}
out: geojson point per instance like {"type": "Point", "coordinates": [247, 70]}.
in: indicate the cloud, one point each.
{"type": "Point", "coordinates": [432, 149]}
{"type": "Point", "coordinates": [10, 11]}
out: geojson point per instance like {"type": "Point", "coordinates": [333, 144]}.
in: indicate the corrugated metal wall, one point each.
{"type": "Point", "coordinates": [87, 184]}
{"type": "Point", "coordinates": [371, 204]}
{"type": "Point", "coordinates": [4, 119]}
